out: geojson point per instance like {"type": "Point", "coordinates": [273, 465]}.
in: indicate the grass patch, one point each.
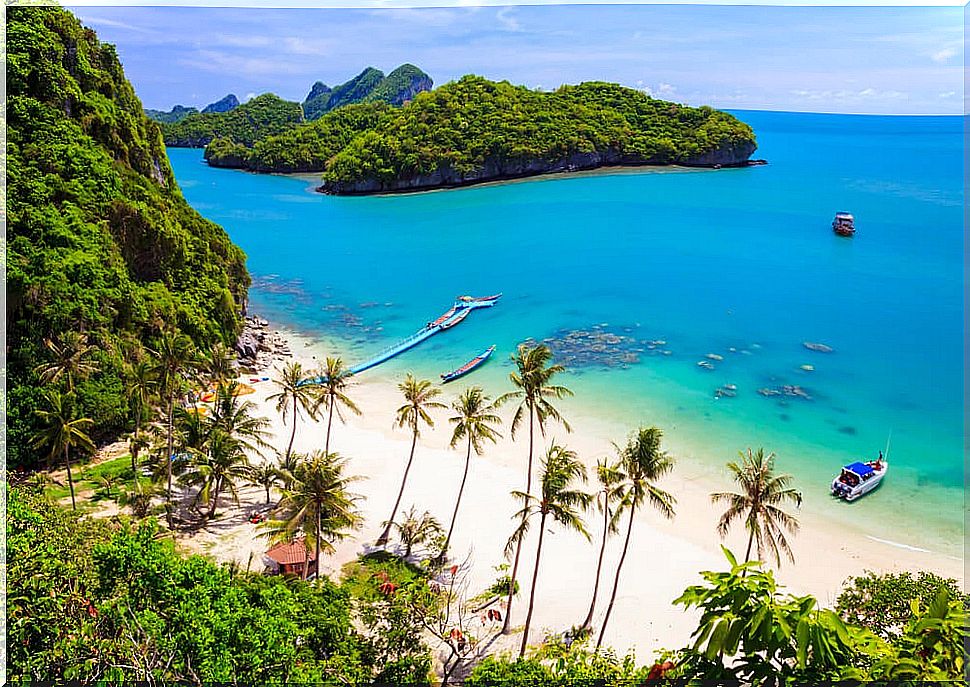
{"type": "Point", "coordinates": [92, 478]}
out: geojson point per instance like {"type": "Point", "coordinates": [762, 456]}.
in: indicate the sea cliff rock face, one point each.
{"type": "Point", "coordinates": [498, 170]}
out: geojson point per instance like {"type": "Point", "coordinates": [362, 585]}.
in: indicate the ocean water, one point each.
{"type": "Point", "coordinates": [739, 264]}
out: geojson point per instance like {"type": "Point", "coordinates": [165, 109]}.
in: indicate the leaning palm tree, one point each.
{"type": "Point", "coordinates": [759, 504]}
{"type": "Point", "coordinates": [295, 393]}
{"type": "Point", "coordinates": [643, 462]}
{"type": "Point", "coordinates": [534, 389]}
{"type": "Point", "coordinates": [318, 503]}
{"type": "Point", "coordinates": [173, 357]}
{"type": "Point", "coordinates": [332, 382]}
{"type": "Point", "coordinates": [141, 382]}
{"type": "Point", "coordinates": [413, 530]}
{"type": "Point", "coordinates": [70, 361]}
{"type": "Point", "coordinates": [611, 490]}
{"type": "Point", "coordinates": [475, 423]}
{"type": "Point", "coordinates": [62, 430]}
{"type": "Point", "coordinates": [419, 398]}
{"type": "Point", "coordinates": [558, 498]}
{"type": "Point", "coordinates": [216, 470]}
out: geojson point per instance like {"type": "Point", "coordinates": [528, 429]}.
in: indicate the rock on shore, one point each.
{"type": "Point", "coordinates": [259, 348]}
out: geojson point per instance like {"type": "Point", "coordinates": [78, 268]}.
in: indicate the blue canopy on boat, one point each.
{"type": "Point", "coordinates": [860, 469]}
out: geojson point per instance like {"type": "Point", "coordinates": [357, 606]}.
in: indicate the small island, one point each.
{"type": "Point", "coordinates": [475, 130]}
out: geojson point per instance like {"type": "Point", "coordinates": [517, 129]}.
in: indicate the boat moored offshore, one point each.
{"type": "Point", "coordinates": [472, 364]}
{"type": "Point", "coordinates": [858, 479]}
{"type": "Point", "coordinates": [843, 224]}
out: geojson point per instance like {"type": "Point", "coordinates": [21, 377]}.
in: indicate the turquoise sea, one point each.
{"type": "Point", "coordinates": [738, 263]}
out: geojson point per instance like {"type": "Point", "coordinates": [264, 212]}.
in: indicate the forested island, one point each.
{"type": "Point", "coordinates": [476, 130]}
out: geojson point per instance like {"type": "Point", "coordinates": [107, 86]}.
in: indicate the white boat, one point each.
{"type": "Point", "coordinates": [858, 479]}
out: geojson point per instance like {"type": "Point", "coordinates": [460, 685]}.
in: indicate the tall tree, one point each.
{"type": "Point", "coordinates": [419, 398]}
{"type": "Point", "coordinates": [216, 470]}
{"type": "Point", "coordinates": [217, 365]}
{"type": "Point", "coordinates": [174, 356]}
{"type": "Point", "coordinates": [475, 422]}
{"type": "Point", "coordinates": [318, 503]}
{"type": "Point", "coordinates": [333, 380]}
{"type": "Point", "coordinates": [532, 379]}
{"type": "Point", "coordinates": [643, 462]}
{"type": "Point", "coordinates": [265, 475]}
{"type": "Point", "coordinates": [61, 431]}
{"type": "Point", "coordinates": [141, 385]}
{"type": "Point", "coordinates": [70, 361]}
{"type": "Point", "coordinates": [296, 393]}
{"type": "Point", "coordinates": [611, 490]}
{"type": "Point", "coordinates": [414, 530]}
{"type": "Point", "coordinates": [558, 498]}
{"type": "Point", "coordinates": [237, 417]}
{"type": "Point", "coordinates": [759, 503]}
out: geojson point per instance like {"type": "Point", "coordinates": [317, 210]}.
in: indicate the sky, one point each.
{"type": "Point", "coordinates": [879, 60]}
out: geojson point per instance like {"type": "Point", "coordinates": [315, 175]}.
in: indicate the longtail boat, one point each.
{"type": "Point", "coordinates": [482, 299]}
{"type": "Point", "coordinates": [448, 324]}
{"type": "Point", "coordinates": [432, 325]}
{"type": "Point", "coordinates": [469, 366]}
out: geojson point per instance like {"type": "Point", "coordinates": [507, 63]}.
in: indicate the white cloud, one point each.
{"type": "Point", "coordinates": [506, 17]}
{"type": "Point", "coordinates": [303, 46]}
{"type": "Point", "coordinates": [248, 97]}
{"type": "Point", "coordinates": [948, 94]}
{"type": "Point", "coordinates": [944, 55]}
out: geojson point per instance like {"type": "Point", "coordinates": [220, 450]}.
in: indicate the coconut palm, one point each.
{"type": "Point", "coordinates": [317, 503]}
{"type": "Point", "coordinates": [173, 358]}
{"type": "Point", "coordinates": [644, 462]}
{"type": "Point", "coordinates": [557, 498]}
{"type": "Point", "coordinates": [296, 392]}
{"type": "Point", "coordinates": [265, 475]}
{"type": "Point", "coordinates": [333, 380]}
{"type": "Point", "coordinates": [141, 382]}
{"type": "Point", "coordinates": [759, 503]}
{"type": "Point", "coordinates": [236, 416]}
{"type": "Point", "coordinates": [611, 490]}
{"type": "Point", "coordinates": [419, 398]}
{"type": "Point", "coordinates": [217, 469]}
{"type": "Point", "coordinates": [70, 361]}
{"type": "Point", "coordinates": [413, 530]}
{"type": "Point", "coordinates": [62, 430]}
{"type": "Point", "coordinates": [532, 378]}
{"type": "Point", "coordinates": [217, 365]}
{"type": "Point", "coordinates": [475, 423]}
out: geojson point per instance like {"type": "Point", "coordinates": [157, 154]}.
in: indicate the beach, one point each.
{"type": "Point", "coordinates": [665, 556]}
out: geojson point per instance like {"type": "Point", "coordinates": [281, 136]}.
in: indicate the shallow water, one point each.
{"type": "Point", "coordinates": [739, 264]}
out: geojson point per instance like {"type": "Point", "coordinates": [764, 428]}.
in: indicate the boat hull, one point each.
{"type": "Point", "coordinates": [852, 492]}
{"type": "Point", "coordinates": [470, 366]}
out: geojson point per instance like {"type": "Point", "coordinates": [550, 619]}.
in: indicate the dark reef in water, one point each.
{"type": "Point", "coordinates": [601, 346]}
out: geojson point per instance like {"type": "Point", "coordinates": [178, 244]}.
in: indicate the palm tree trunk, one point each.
{"type": "Point", "coordinates": [289, 447]}
{"type": "Point", "coordinates": [588, 623]}
{"type": "Point", "coordinates": [616, 581]}
{"type": "Point", "coordinates": [70, 477]}
{"type": "Point", "coordinates": [454, 516]}
{"type": "Point", "coordinates": [134, 449]}
{"type": "Point", "coordinates": [326, 447]}
{"type": "Point", "coordinates": [215, 498]}
{"type": "Point", "coordinates": [316, 553]}
{"type": "Point", "coordinates": [747, 553]}
{"type": "Point", "coordinates": [507, 623]}
{"type": "Point", "coordinates": [168, 459]}
{"type": "Point", "coordinates": [532, 592]}
{"type": "Point", "coordinates": [267, 486]}
{"type": "Point", "coordinates": [385, 535]}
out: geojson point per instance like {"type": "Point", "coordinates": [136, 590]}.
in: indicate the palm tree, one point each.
{"type": "Point", "coordinates": [236, 417]}
{"type": "Point", "coordinates": [141, 382]}
{"type": "Point", "coordinates": [612, 489]}
{"type": "Point", "coordinates": [561, 468]}
{"type": "Point", "coordinates": [265, 475]}
{"type": "Point", "coordinates": [532, 378]}
{"type": "Point", "coordinates": [759, 503]}
{"type": "Point", "coordinates": [643, 462]}
{"type": "Point", "coordinates": [317, 503]}
{"type": "Point", "coordinates": [413, 530]}
{"type": "Point", "coordinates": [174, 356]}
{"type": "Point", "coordinates": [70, 361]}
{"type": "Point", "coordinates": [296, 392]}
{"type": "Point", "coordinates": [474, 422]}
{"type": "Point", "coordinates": [418, 397]}
{"type": "Point", "coordinates": [218, 469]}
{"type": "Point", "coordinates": [62, 431]}
{"type": "Point", "coordinates": [331, 383]}
{"type": "Point", "coordinates": [217, 365]}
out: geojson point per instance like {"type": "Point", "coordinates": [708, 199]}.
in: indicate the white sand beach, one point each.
{"type": "Point", "coordinates": [664, 558]}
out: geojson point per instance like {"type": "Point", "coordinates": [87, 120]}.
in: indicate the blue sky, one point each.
{"type": "Point", "coordinates": [894, 60]}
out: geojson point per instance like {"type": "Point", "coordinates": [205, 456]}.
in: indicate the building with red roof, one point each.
{"type": "Point", "coordinates": [290, 558]}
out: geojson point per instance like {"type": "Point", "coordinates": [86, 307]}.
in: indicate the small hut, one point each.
{"type": "Point", "coordinates": [289, 558]}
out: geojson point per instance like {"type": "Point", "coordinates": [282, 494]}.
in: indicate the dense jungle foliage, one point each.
{"type": "Point", "coordinates": [176, 114]}
{"type": "Point", "coordinates": [94, 600]}
{"type": "Point", "coordinates": [100, 240]}
{"type": "Point", "coordinates": [469, 124]}
{"type": "Point", "coordinates": [265, 115]}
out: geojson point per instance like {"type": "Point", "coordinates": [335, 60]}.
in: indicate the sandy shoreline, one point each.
{"type": "Point", "coordinates": [664, 558]}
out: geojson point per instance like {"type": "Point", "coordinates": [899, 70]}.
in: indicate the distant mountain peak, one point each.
{"type": "Point", "coordinates": [227, 104]}
{"type": "Point", "coordinates": [370, 85]}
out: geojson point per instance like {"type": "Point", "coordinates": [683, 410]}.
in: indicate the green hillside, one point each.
{"type": "Point", "coordinates": [100, 239]}
{"type": "Point", "coordinates": [264, 115]}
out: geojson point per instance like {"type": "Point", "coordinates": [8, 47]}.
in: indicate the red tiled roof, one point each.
{"type": "Point", "coordinates": [288, 554]}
